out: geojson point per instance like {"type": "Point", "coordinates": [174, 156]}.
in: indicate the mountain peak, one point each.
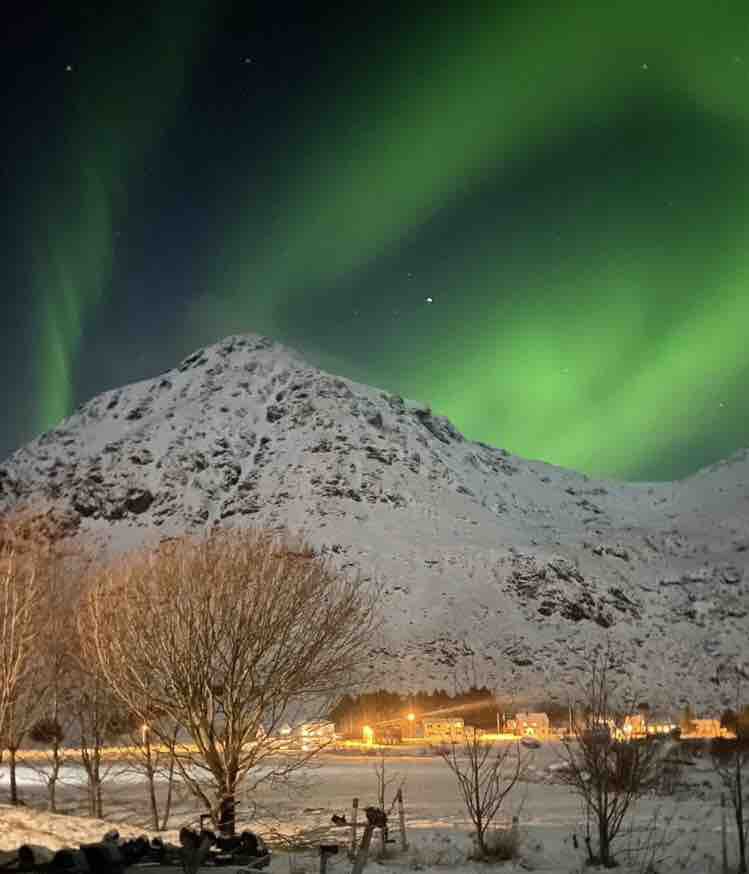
{"type": "Point", "coordinates": [513, 566]}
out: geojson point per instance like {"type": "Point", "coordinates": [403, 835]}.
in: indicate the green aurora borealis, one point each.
{"type": "Point", "coordinates": [567, 182]}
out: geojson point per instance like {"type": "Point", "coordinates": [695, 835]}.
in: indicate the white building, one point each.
{"type": "Point", "coordinates": [533, 725]}
{"type": "Point", "coordinates": [444, 729]}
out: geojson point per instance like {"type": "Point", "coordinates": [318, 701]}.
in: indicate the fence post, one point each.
{"type": "Point", "coordinates": [723, 843]}
{"type": "Point", "coordinates": [402, 819]}
{"type": "Point", "coordinates": [360, 860]}
{"type": "Point", "coordinates": [354, 817]}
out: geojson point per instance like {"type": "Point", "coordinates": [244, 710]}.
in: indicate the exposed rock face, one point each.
{"type": "Point", "coordinates": [510, 566]}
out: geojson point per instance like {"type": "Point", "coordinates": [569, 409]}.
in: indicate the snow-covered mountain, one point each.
{"type": "Point", "coordinates": [491, 564]}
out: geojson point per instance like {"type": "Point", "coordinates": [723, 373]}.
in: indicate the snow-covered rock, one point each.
{"type": "Point", "coordinates": [491, 564]}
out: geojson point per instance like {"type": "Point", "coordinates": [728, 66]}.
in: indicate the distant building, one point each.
{"type": "Point", "coordinates": [704, 728]}
{"type": "Point", "coordinates": [660, 724]}
{"type": "Point", "coordinates": [388, 734]}
{"type": "Point", "coordinates": [444, 729]}
{"type": "Point", "coordinates": [533, 725]}
{"type": "Point", "coordinates": [634, 725]}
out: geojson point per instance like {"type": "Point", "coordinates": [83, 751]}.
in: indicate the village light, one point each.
{"type": "Point", "coordinates": [368, 734]}
{"type": "Point", "coordinates": [411, 717]}
{"type": "Point", "coordinates": [144, 732]}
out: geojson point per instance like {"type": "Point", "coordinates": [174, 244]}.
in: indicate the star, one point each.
{"type": "Point", "coordinates": [644, 66]}
{"type": "Point", "coordinates": [69, 68]}
{"type": "Point", "coordinates": [429, 300]}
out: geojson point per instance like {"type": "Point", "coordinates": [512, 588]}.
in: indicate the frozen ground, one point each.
{"type": "Point", "coordinates": [437, 828]}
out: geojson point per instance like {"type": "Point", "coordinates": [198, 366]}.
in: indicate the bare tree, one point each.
{"type": "Point", "coordinates": [98, 715]}
{"type": "Point", "coordinates": [229, 637]}
{"type": "Point", "coordinates": [21, 617]}
{"type": "Point", "coordinates": [607, 773]}
{"type": "Point", "coordinates": [731, 758]}
{"type": "Point", "coordinates": [486, 774]}
{"type": "Point", "coordinates": [384, 781]}
{"type": "Point", "coordinates": [155, 762]}
{"type": "Point", "coordinates": [38, 706]}
{"type": "Point", "coordinates": [57, 644]}
{"type": "Point", "coordinates": [20, 716]}
{"type": "Point", "coordinates": [51, 731]}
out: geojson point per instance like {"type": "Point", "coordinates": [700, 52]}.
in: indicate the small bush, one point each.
{"type": "Point", "coordinates": [502, 844]}
{"type": "Point", "coordinates": [47, 731]}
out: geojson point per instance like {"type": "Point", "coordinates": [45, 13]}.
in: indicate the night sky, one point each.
{"type": "Point", "coordinates": [533, 216]}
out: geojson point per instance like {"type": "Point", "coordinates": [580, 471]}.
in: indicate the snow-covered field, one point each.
{"type": "Point", "coordinates": [437, 827]}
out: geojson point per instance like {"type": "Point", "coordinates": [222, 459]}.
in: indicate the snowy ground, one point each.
{"type": "Point", "coordinates": [438, 831]}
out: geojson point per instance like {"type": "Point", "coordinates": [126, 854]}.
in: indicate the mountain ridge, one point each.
{"type": "Point", "coordinates": [507, 568]}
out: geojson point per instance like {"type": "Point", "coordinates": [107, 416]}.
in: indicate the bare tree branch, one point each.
{"type": "Point", "coordinates": [486, 775]}
{"type": "Point", "coordinates": [229, 637]}
{"type": "Point", "coordinates": [608, 774]}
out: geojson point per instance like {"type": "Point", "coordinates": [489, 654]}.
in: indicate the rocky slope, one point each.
{"type": "Point", "coordinates": [493, 565]}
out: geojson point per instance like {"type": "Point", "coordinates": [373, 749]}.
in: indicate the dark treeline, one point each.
{"type": "Point", "coordinates": [477, 706]}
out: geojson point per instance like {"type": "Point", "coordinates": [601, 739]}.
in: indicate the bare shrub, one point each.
{"type": "Point", "coordinates": [385, 781]}
{"type": "Point", "coordinates": [608, 774]}
{"type": "Point", "coordinates": [646, 846]}
{"type": "Point", "coordinates": [731, 759]}
{"type": "Point", "coordinates": [502, 844]}
{"type": "Point", "coordinates": [229, 637]}
{"type": "Point", "coordinates": [486, 774]}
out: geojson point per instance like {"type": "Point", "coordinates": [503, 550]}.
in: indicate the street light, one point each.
{"type": "Point", "coordinates": [411, 717]}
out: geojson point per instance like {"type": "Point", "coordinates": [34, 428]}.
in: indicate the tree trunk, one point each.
{"type": "Point", "coordinates": [481, 846]}
{"type": "Point", "coordinates": [168, 802]}
{"type": "Point", "coordinates": [99, 803]}
{"type": "Point", "coordinates": [604, 847]}
{"type": "Point", "coordinates": [227, 814]}
{"type": "Point", "coordinates": [151, 782]}
{"type": "Point", "coordinates": [739, 809]}
{"type": "Point", "coordinates": [13, 785]}
{"type": "Point", "coordinates": [152, 800]}
{"type": "Point", "coordinates": [54, 774]}
{"type": "Point", "coordinates": [95, 805]}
